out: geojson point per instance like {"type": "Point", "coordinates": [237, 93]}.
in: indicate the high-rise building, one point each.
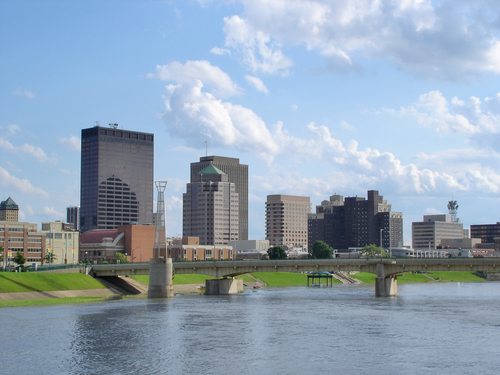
{"type": "Point", "coordinates": [286, 220]}
{"type": "Point", "coordinates": [356, 222]}
{"type": "Point", "coordinates": [116, 178]}
{"type": "Point", "coordinates": [210, 208]}
{"type": "Point", "coordinates": [9, 210]}
{"type": "Point", "coordinates": [73, 216]}
{"type": "Point", "coordinates": [236, 173]}
{"type": "Point", "coordinates": [428, 233]}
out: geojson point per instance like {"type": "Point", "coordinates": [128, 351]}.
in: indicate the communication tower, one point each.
{"type": "Point", "coordinates": [452, 210]}
{"type": "Point", "coordinates": [160, 228]}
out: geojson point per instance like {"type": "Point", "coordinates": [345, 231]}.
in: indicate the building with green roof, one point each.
{"type": "Point", "coordinates": [9, 210]}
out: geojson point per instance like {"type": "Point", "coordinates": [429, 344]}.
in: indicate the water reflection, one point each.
{"type": "Point", "coordinates": [269, 331]}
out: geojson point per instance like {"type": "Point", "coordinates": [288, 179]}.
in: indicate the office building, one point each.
{"type": "Point", "coordinates": [429, 233]}
{"type": "Point", "coordinates": [21, 237]}
{"type": "Point", "coordinates": [488, 233]}
{"type": "Point", "coordinates": [9, 210]}
{"type": "Point", "coordinates": [354, 222]}
{"type": "Point", "coordinates": [286, 220]}
{"type": "Point", "coordinates": [189, 249]}
{"type": "Point", "coordinates": [73, 216]}
{"type": "Point", "coordinates": [62, 242]}
{"type": "Point", "coordinates": [211, 208]}
{"type": "Point", "coordinates": [116, 178]}
{"type": "Point", "coordinates": [135, 241]}
{"type": "Point", "coordinates": [236, 173]}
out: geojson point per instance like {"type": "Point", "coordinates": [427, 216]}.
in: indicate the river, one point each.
{"type": "Point", "coordinates": [451, 328]}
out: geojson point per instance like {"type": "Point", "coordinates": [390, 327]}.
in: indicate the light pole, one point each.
{"type": "Point", "coordinates": [381, 231]}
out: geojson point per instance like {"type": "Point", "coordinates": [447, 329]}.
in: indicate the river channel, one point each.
{"type": "Point", "coordinates": [451, 328]}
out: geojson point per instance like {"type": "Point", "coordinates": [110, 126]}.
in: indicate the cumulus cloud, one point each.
{"type": "Point", "coordinates": [26, 148]}
{"type": "Point", "coordinates": [10, 181]}
{"type": "Point", "coordinates": [220, 51]}
{"type": "Point", "coordinates": [257, 84]}
{"type": "Point", "coordinates": [449, 38]}
{"type": "Point", "coordinates": [72, 142]}
{"type": "Point", "coordinates": [52, 212]}
{"type": "Point", "coordinates": [353, 165]}
{"type": "Point", "coordinates": [214, 79]}
{"type": "Point", "coordinates": [24, 93]}
{"type": "Point", "coordinates": [195, 112]}
{"type": "Point", "coordinates": [470, 116]}
{"type": "Point", "coordinates": [11, 129]}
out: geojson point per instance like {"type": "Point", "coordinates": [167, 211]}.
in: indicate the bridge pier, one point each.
{"type": "Point", "coordinates": [160, 278]}
{"type": "Point", "coordinates": [385, 286]}
{"type": "Point", "coordinates": [225, 286]}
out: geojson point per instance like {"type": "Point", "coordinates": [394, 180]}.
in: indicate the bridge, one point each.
{"type": "Point", "coordinates": [385, 269]}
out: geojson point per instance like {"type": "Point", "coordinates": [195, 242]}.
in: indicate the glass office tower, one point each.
{"type": "Point", "coordinates": [116, 185]}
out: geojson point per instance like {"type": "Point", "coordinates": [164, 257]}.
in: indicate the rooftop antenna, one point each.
{"type": "Point", "coordinates": [452, 210]}
{"type": "Point", "coordinates": [206, 148]}
{"type": "Point", "coordinates": [113, 125]}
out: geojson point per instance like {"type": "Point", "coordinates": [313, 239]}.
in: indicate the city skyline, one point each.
{"type": "Point", "coordinates": [317, 98]}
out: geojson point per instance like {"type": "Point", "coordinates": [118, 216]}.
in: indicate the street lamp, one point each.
{"type": "Point", "coordinates": [381, 230]}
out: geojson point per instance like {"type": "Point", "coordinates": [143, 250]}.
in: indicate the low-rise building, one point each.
{"type": "Point", "coordinates": [136, 241]}
{"type": "Point", "coordinates": [189, 249]}
{"type": "Point", "coordinates": [24, 238]}
{"type": "Point", "coordinates": [428, 233]}
{"type": "Point", "coordinates": [62, 243]}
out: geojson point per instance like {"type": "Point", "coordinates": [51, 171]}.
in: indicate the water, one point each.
{"type": "Point", "coordinates": [434, 328]}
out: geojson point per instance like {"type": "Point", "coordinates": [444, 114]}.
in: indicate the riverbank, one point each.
{"type": "Point", "coordinates": [35, 289]}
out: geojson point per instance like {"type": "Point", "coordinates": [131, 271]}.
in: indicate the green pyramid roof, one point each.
{"type": "Point", "coordinates": [9, 204]}
{"type": "Point", "coordinates": [211, 169]}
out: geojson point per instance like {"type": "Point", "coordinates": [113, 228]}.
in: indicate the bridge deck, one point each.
{"type": "Point", "coordinates": [233, 268]}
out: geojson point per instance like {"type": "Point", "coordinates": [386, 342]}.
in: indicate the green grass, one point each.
{"type": "Point", "coordinates": [179, 279]}
{"type": "Point", "coordinates": [456, 276]}
{"type": "Point", "coordinates": [11, 282]}
{"type": "Point", "coordinates": [282, 279]}
{"type": "Point", "coordinates": [438, 276]}
{"type": "Point", "coordinates": [49, 301]}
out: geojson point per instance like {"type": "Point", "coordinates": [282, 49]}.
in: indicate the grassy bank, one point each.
{"type": "Point", "coordinates": [12, 282]}
{"type": "Point", "coordinates": [49, 301]}
{"type": "Point", "coordinates": [438, 276]}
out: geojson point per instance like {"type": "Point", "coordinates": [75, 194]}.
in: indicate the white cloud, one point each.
{"type": "Point", "coordinates": [220, 51]}
{"type": "Point", "coordinates": [52, 212]}
{"type": "Point", "coordinates": [449, 38]}
{"type": "Point", "coordinates": [214, 79]}
{"type": "Point", "coordinates": [258, 50]}
{"type": "Point", "coordinates": [10, 181]}
{"type": "Point", "coordinates": [257, 84]}
{"type": "Point", "coordinates": [34, 151]}
{"type": "Point", "coordinates": [11, 129]}
{"type": "Point", "coordinates": [24, 93]}
{"type": "Point", "coordinates": [195, 113]}
{"type": "Point", "coordinates": [471, 116]}
{"type": "Point", "coordinates": [72, 142]}
{"type": "Point", "coordinates": [294, 108]}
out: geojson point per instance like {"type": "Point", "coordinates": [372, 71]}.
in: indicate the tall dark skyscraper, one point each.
{"type": "Point", "coordinates": [73, 216]}
{"type": "Point", "coordinates": [116, 178]}
{"type": "Point", "coordinates": [236, 173]}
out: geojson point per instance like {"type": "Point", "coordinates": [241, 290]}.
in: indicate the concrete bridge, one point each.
{"type": "Point", "coordinates": [385, 269]}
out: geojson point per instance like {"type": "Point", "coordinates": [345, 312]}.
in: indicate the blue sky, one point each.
{"type": "Point", "coordinates": [317, 97]}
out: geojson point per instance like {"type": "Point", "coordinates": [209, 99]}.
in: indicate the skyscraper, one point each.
{"type": "Point", "coordinates": [116, 178]}
{"type": "Point", "coordinates": [286, 220]}
{"type": "Point", "coordinates": [236, 173]}
{"type": "Point", "coordinates": [356, 222]}
{"type": "Point", "coordinates": [73, 216]}
{"type": "Point", "coordinates": [210, 208]}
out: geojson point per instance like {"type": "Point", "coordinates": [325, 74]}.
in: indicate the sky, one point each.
{"type": "Point", "coordinates": [317, 97]}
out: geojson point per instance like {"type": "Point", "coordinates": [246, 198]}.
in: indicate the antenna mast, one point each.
{"type": "Point", "coordinates": [160, 229]}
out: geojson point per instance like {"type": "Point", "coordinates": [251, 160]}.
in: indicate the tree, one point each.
{"type": "Point", "coordinates": [374, 251]}
{"type": "Point", "coordinates": [50, 257]}
{"type": "Point", "coordinates": [121, 258]}
{"type": "Point", "coordinates": [19, 259]}
{"type": "Point", "coordinates": [321, 250]}
{"type": "Point", "coordinates": [276, 252]}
